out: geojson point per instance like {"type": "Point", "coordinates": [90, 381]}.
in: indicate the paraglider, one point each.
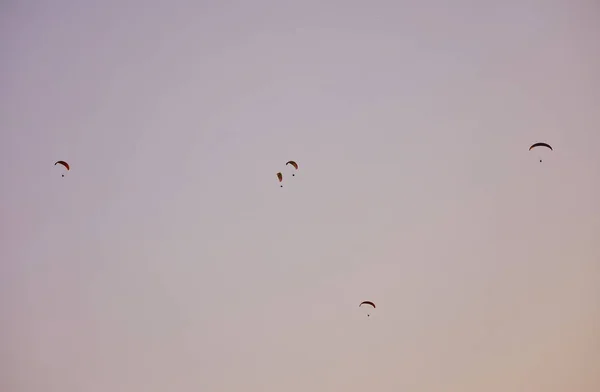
{"type": "Point", "coordinates": [294, 164]}
{"type": "Point", "coordinates": [541, 144]}
{"type": "Point", "coordinates": [280, 178]}
{"type": "Point", "coordinates": [63, 163]}
{"type": "Point", "coordinates": [367, 303]}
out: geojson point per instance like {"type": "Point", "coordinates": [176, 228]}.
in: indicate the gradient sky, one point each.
{"type": "Point", "coordinates": [169, 259]}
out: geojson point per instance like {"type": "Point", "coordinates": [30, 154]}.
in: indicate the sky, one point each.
{"type": "Point", "coordinates": [169, 259]}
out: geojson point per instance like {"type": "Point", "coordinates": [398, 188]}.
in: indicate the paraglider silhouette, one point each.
{"type": "Point", "coordinates": [293, 163]}
{"type": "Point", "coordinates": [367, 303]}
{"type": "Point", "coordinates": [541, 145]}
{"type": "Point", "coordinates": [63, 163]}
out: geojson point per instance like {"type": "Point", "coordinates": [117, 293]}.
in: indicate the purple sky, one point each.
{"type": "Point", "coordinates": [168, 258]}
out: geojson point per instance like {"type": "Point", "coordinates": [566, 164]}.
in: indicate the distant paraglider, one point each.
{"type": "Point", "coordinates": [369, 303]}
{"type": "Point", "coordinates": [541, 144]}
{"type": "Point", "coordinates": [280, 178]}
{"type": "Point", "coordinates": [294, 164]}
{"type": "Point", "coordinates": [63, 163]}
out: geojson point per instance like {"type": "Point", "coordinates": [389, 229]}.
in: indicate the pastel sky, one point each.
{"type": "Point", "coordinates": [169, 259]}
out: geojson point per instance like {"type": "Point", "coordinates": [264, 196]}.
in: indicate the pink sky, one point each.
{"type": "Point", "coordinates": [168, 258]}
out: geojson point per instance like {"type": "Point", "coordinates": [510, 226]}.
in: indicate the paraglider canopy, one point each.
{"type": "Point", "coordinates": [280, 178]}
{"type": "Point", "coordinates": [540, 145]}
{"type": "Point", "coordinates": [65, 164]}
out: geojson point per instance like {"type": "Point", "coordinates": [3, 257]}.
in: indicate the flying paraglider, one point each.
{"type": "Point", "coordinates": [280, 178]}
{"type": "Point", "coordinates": [368, 303]}
{"type": "Point", "coordinates": [541, 144]}
{"type": "Point", "coordinates": [63, 163]}
{"type": "Point", "coordinates": [294, 164]}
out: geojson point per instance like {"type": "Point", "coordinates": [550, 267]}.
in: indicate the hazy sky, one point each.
{"type": "Point", "coordinates": [169, 259]}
